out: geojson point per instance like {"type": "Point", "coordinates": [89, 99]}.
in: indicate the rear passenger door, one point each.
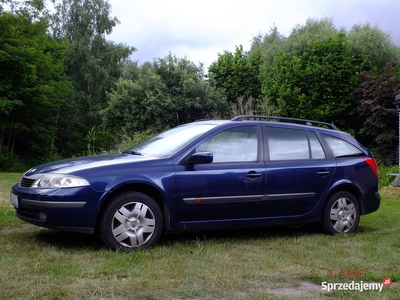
{"type": "Point", "coordinates": [298, 171]}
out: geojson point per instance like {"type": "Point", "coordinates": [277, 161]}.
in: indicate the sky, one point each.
{"type": "Point", "coordinates": [200, 30]}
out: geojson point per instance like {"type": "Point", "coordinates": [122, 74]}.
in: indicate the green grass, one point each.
{"type": "Point", "coordinates": [272, 263]}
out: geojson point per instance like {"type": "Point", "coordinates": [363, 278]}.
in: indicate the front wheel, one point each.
{"type": "Point", "coordinates": [341, 214]}
{"type": "Point", "coordinates": [131, 222]}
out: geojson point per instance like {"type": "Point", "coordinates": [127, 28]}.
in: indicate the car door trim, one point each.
{"type": "Point", "coordinates": [288, 196]}
{"type": "Point", "coordinates": [198, 200]}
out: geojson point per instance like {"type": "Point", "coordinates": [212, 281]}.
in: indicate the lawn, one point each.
{"type": "Point", "coordinates": [269, 263]}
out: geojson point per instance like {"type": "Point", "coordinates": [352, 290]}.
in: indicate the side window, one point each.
{"type": "Point", "coordinates": [237, 144]}
{"type": "Point", "coordinates": [293, 144]}
{"type": "Point", "coordinates": [341, 148]}
{"type": "Point", "coordinates": [317, 152]}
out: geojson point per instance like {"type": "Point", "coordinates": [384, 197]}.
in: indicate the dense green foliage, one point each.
{"type": "Point", "coordinates": [374, 44]}
{"type": "Point", "coordinates": [93, 66]}
{"type": "Point", "coordinates": [32, 85]}
{"type": "Point", "coordinates": [168, 92]}
{"type": "Point", "coordinates": [66, 90]}
{"type": "Point", "coordinates": [317, 83]}
{"type": "Point", "coordinates": [238, 74]}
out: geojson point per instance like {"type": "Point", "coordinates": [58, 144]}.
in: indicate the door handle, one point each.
{"type": "Point", "coordinates": [253, 175]}
{"type": "Point", "coordinates": [323, 173]}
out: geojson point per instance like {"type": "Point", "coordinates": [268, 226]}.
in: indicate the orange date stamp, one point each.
{"type": "Point", "coordinates": [341, 274]}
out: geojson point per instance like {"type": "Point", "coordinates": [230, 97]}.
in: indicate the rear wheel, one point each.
{"type": "Point", "coordinates": [341, 214]}
{"type": "Point", "coordinates": [131, 222]}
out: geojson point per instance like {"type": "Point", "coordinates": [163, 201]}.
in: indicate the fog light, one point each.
{"type": "Point", "coordinates": [42, 216]}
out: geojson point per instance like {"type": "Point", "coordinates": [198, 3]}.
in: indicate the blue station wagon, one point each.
{"type": "Point", "coordinates": [211, 174]}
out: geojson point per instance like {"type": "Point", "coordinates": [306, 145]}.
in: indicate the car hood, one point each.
{"type": "Point", "coordinates": [72, 165]}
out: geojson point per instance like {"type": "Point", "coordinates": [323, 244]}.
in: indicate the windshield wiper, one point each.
{"type": "Point", "coordinates": [133, 152]}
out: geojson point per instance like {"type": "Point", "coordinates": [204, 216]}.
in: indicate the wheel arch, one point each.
{"type": "Point", "coordinates": [347, 187]}
{"type": "Point", "coordinates": [144, 188]}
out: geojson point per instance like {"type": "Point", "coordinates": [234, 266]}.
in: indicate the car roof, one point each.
{"type": "Point", "coordinates": [325, 128]}
{"type": "Point", "coordinates": [274, 121]}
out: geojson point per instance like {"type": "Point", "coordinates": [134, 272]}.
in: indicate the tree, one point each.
{"type": "Point", "coordinates": [128, 108]}
{"type": "Point", "coordinates": [239, 75]}
{"type": "Point", "coordinates": [379, 129]}
{"type": "Point", "coordinates": [169, 92]}
{"type": "Point", "coordinates": [374, 44]}
{"type": "Point", "coordinates": [314, 29]}
{"type": "Point", "coordinates": [32, 86]}
{"type": "Point", "coordinates": [93, 65]}
{"type": "Point", "coordinates": [270, 45]}
{"type": "Point", "coordinates": [317, 83]}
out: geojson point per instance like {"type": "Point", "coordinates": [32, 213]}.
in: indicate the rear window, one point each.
{"type": "Point", "coordinates": [293, 144]}
{"type": "Point", "coordinates": [341, 148]}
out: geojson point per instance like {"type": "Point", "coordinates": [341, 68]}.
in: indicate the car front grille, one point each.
{"type": "Point", "coordinates": [26, 182]}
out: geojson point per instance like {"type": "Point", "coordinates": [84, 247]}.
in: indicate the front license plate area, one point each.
{"type": "Point", "coordinates": [14, 200]}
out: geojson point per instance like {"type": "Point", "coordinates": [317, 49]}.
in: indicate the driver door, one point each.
{"type": "Point", "coordinates": [232, 186]}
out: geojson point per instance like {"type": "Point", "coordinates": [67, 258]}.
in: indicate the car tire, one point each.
{"type": "Point", "coordinates": [341, 214]}
{"type": "Point", "coordinates": [132, 221]}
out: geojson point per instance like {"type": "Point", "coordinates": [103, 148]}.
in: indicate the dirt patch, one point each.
{"type": "Point", "coordinates": [391, 190]}
{"type": "Point", "coordinates": [304, 288]}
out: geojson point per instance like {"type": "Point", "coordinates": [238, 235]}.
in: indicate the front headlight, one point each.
{"type": "Point", "coordinates": [59, 181]}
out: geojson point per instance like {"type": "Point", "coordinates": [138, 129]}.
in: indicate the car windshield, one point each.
{"type": "Point", "coordinates": [167, 143]}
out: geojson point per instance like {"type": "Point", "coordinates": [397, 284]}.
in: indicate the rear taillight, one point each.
{"type": "Point", "coordinates": [374, 166]}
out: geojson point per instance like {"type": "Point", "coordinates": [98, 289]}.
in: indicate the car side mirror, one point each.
{"type": "Point", "coordinates": [201, 158]}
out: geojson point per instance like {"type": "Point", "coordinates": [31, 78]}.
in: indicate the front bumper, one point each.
{"type": "Point", "coordinates": [69, 209]}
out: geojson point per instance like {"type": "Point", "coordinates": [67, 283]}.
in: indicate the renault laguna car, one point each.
{"type": "Point", "coordinates": [250, 171]}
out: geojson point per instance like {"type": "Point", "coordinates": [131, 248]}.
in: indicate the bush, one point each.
{"type": "Point", "coordinates": [126, 141]}
{"type": "Point", "coordinates": [385, 179]}
{"type": "Point", "coordinates": [11, 162]}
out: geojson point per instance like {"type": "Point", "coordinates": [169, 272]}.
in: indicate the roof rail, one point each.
{"type": "Point", "coordinates": [302, 121]}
